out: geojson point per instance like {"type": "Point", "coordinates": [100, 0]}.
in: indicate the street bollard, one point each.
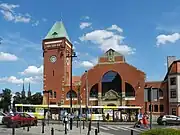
{"type": "Point", "coordinates": [71, 123]}
{"type": "Point", "coordinates": [77, 124]}
{"type": "Point", "coordinates": [96, 132]}
{"type": "Point", "coordinates": [88, 132]}
{"type": "Point", "coordinates": [65, 128]}
{"type": "Point", "coordinates": [52, 131]}
{"type": "Point", "coordinates": [43, 126]}
{"type": "Point", "coordinates": [131, 132]}
{"type": "Point", "coordinates": [98, 126]}
{"type": "Point", "coordinates": [28, 129]}
{"type": "Point", "coordinates": [90, 126]}
{"type": "Point", "coordinates": [13, 130]}
{"type": "Point", "coordinates": [83, 124]}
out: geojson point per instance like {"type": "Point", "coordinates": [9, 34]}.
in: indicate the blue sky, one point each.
{"type": "Point", "coordinates": [146, 32]}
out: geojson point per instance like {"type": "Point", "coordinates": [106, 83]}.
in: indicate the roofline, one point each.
{"type": "Point", "coordinates": [169, 68]}
{"type": "Point", "coordinates": [153, 81]}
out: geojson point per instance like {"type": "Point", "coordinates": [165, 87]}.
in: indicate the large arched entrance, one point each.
{"type": "Point", "coordinates": [94, 95]}
{"type": "Point", "coordinates": [94, 91]}
{"type": "Point", "coordinates": [111, 80]}
{"type": "Point", "coordinates": [129, 90]}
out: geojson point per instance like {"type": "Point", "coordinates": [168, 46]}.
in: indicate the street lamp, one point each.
{"type": "Point", "coordinates": [71, 56]}
{"type": "Point", "coordinates": [150, 100]}
{"type": "Point", "coordinates": [48, 92]}
{"type": "Point", "coordinates": [87, 94]}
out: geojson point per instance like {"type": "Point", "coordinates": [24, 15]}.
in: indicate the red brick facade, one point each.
{"type": "Point", "coordinates": [57, 75]}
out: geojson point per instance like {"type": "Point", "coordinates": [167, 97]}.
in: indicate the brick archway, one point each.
{"type": "Point", "coordinates": [111, 80]}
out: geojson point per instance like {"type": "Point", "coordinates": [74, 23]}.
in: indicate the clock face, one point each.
{"type": "Point", "coordinates": [53, 59]}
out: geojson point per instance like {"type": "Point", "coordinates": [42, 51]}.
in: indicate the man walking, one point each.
{"type": "Point", "coordinates": [66, 121]}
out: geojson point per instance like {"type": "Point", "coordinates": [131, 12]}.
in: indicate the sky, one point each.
{"type": "Point", "coordinates": [145, 32]}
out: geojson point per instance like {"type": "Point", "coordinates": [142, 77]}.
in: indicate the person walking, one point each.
{"type": "Point", "coordinates": [145, 120]}
{"type": "Point", "coordinates": [139, 120]}
{"type": "Point", "coordinates": [107, 116]}
{"type": "Point", "coordinates": [66, 121]}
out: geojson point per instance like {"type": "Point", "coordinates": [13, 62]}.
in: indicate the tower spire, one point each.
{"type": "Point", "coordinates": [29, 90]}
{"type": "Point", "coordinates": [23, 86]}
{"type": "Point", "coordinates": [61, 17]}
{"type": "Point", "coordinates": [23, 90]}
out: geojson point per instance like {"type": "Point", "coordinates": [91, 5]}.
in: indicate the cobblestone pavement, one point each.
{"type": "Point", "coordinates": [105, 129]}
{"type": "Point", "coordinates": [59, 130]}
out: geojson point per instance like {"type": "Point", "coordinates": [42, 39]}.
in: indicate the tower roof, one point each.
{"type": "Point", "coordinates": [57, 31]}
{"type": "Point", "coordinates": [111, 51]}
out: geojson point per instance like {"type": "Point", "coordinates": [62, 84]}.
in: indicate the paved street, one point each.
{"type": "Point", "coordinates": [105, 129]}
{"type": "Point", "coordinates": [59, 130]}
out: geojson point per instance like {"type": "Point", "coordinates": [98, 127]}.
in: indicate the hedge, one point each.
{"type": "Point", "coordinates": [162, 131]}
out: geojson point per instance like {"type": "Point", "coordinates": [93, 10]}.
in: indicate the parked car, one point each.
{"type": "Point", "coordinates": [168, 120]}
{"type": "Point", "coordinates": [1, 117]}
{"type": "Point", "coordinates": [19, 120]}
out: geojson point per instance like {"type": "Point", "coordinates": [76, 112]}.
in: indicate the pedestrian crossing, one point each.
{"type": "Point", "coordinates": [117, 128]}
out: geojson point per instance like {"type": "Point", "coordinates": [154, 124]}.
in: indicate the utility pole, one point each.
{"type": "Point", "coordinates": [48, 92]}
{"type": "Point", "coordinates": [150, 107]}
{"type": "Point", "coordinates": [71, 56]}
{"type": "Point", "coordinates": [150, 99]}
{"type": "Point", "coordinates": [87, 95]}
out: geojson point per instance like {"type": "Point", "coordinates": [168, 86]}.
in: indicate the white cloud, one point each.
{"type": "Point", "coordinates": [10, 15]}
{"type": "Point", "coordinates": [9, 7]}
{"type": "Point", "coordinates": [108, 39]}
{"type": "Point", "coordinates": [76, 42]}
{"type": "Point", "coordinates": [15, 40]}
{"type": "Point", "coordinates": [115, 27]}
{"type": "Point", "coordinates": [85, 25]}
{"type": "Point", "coordinates": [15, 80]}
{"type": "Point", "coordinates": [87, 64]}
{"type": "Point", "coordinates": [85, 17]}
{"type": "Point", "coordinates": [7, 57]}
{"type": "Point", "coordinates": [36, 23]}
{"type": "Point", "coordinates": [163, 39]}
{"type": "Point", "coordinates": [33, 70]}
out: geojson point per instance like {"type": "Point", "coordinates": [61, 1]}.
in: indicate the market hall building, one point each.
{"type": "Point", "coordinates": [112, 86]}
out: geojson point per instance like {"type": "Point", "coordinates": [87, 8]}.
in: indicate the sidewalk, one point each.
{"type": "Point", "coordinates": [58, 130]}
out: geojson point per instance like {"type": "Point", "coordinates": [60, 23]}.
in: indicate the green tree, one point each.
{"type": "Point", "coordinates": [6, 99]}
{"type": "Point", "coordinates": [17, 98]}
{"type": "Point", "coordinates": [36, 98]}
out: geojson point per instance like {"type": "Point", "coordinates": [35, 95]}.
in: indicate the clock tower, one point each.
{"type": "Point", "coordinates": [57, 68]}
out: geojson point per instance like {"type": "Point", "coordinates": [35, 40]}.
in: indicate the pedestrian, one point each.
{"type": "Point", "coordinates": [139, 120]}
{"type": "Point", "coordinates": [66, 121]}
{"type": "Point", "coordinates": [145, 120]}
{"type": "Point", "coordinates": [107, 116]}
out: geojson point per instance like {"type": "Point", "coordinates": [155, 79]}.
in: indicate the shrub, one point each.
{"type": "Point", "coordinates": [162, 131]}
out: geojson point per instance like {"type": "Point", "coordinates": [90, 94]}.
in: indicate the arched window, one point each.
{"type": "Point", "coordinates": [111, 80]}
{"type": "Point", "coordinates": [129, 90]}
{"type": "Point", "coordinates": [74, 95]}
{"type": "Point", "coordinates": [156, 108]}
{"type": "Point", "coordinates": [94, 91]}
{"type": "Point", "coordinates": [161, 108]}
{"type": "Point", "coordinates": [150, 108]}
